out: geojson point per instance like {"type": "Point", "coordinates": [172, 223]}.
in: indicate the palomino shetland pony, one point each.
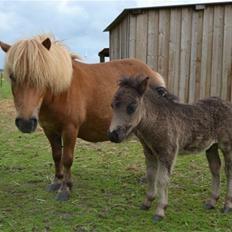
{"type": "Point", "coordinates": [166, 128]}
{"type": "Point", "coordinates": [69, 98]}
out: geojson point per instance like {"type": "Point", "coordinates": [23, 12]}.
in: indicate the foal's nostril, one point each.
{"type": "Point", "coordinates": [113, 136]}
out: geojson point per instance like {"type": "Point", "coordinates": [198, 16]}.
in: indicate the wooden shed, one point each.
{"type": "Point", "coordinates": [189, 45]}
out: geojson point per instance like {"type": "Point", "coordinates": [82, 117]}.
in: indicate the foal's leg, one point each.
{"type": "Point", "coordinates": [55, 142]}
{"type": "Point", "coordinates": [214, 166]}
{"type": "Point", "coordinates": [151, 166]}
{"type": "Point", "coordinates": [164, 169]}
{"type": "Point", "coordinates": [228, 171]}
{"type": "Point", "coordinates": [69, 140]}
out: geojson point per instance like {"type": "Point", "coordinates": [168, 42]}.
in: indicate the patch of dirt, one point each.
{"type": "Point", "coordinates": [7, 107]}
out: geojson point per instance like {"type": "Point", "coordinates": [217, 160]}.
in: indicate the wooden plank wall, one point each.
{"type": "Point", "coordinates": [191, 49]}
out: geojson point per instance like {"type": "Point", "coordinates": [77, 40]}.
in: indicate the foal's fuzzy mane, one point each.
{"type": "Point", "coordinates": [30, 62]}
{"type": "Point", "coordinates": [130, 82]}
{"type": "Point", "coordinates": [161, 91]}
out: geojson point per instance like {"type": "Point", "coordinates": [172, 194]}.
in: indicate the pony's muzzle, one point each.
{"type": "Point", "coordinates": [26, 125]}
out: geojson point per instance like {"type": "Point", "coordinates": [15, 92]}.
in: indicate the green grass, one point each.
{"type": "Point", "coordinates": [106, 193]}
{"type": "Point", "coordinates": [4, 88]}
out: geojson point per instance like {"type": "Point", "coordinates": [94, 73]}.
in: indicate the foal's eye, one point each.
{"type": "Point", "coordinates": [12, 78]}
{"type": "Point", "coordinates": [131, 108]}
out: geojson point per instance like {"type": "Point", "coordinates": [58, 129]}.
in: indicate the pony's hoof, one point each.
{"type": "Point", "coordinates": [62, 196]}
{"type": "Point", "coordinates": [157, 218]}
{"type": "Point", "coordinates": [144, 207]}
{"type": "Point", "coordinates": [226, 209]}
{"type": "Point", "coordinates": [53, 187]}
{"type": "Point", "coordinates": [209, 206]}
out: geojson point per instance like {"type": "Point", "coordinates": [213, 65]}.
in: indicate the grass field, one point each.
{"type": "Point", "coordinates": [106, 193]}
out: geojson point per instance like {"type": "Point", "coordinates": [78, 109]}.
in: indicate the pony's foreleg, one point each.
{"type": "Point", "coordinates": [56, 145]}
{"type": "Point", "coordinates": [228, 171]}
{"type": "Point", "coordinates": [151, 166]}
{"type": "Point", "coordinates": [214, 166]}
{"type": "Point", "coordinates": [164, 168]}
{"type": "Point", "coordinates": [69, 140]}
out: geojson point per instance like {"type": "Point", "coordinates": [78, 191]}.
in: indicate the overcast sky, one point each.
{"type": "Point", "coordinates": [79, 23]}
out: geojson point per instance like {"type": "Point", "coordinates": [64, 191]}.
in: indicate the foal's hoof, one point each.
{"type": "Point", "coordinates": [62, 196]}
{"type": "Point", "coordinates": [143, 180]}
{"type": "Point", "coordinates": [209, 206]}
{"type": "Point", "coordinates": [53, 187]}
{"type": "Point", "coordinates": [144, 207]}
{"type": "Point", "coordinates": [157, 218]}
{"type": "Point", "coordinates": [226, 209]}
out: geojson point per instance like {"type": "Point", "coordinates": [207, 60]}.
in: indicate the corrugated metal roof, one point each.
{"type": "Point", "coordinates": [139, 10]}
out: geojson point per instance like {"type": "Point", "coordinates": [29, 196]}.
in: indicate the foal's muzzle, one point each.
{"type": "Point", "coordinates": [26, 125]}
{"type": "Point", "coordinates": [119, 134]}
{"type": "Point", "coordinates": [114, 136]}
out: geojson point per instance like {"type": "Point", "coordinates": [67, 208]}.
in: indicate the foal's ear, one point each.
{"type": "Point", "coordinates": [47, 43]}
{"type": "Point", "coordinates": [142, 86]}
{"type": "Point", "coordinates": [5, 47]}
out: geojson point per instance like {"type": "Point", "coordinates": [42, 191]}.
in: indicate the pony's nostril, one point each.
{"type": "Point", "coordinates": [25, 125]}
{"type": "Point", "coordinates": [34, 121]}
{"type": "Point", "coordinates": [17, 120]}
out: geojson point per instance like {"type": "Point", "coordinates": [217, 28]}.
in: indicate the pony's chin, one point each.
{"type": "Point", "coordinates": [27, 131]}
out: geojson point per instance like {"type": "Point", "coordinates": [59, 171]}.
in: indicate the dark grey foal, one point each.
{"type": "Point", "coordinates": [166, 128]}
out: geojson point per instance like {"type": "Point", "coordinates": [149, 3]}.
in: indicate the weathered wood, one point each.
{"type": "Point", "coordinates": [191, 49]}
{"type": "Point", "coordinates": [206, 52]}
{"type": "Point", "coordinates": [217, 51]}
{"type": "Point", "coordinates": [141, 37]}
{"type": "Point", "coordinates": [198, 53]}
{"type": "Point", "coordinates": [123, 31]}
{"type": "Point", "coordinates": [132, 36]}
{"type": "Point", "coordinates": [114, 44]}
{"type": "Point", "coordinates": [164, 28]}
{"type": "Point", "coordinates": [185, 49]}
{"type": "Point", "coordinates": [152, 42]}
{"type": "Point", "coordinates": [174, 51]}
{"type": "Point", "coordinates": [227, 54]}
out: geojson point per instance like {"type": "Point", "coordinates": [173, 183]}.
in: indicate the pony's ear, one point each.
{"type": "Point", "coordinates": [47, 43]}
{"type": "Point", "coordinates": [5, 47]}
{"type": "Point", "coordinates": [142, 86]}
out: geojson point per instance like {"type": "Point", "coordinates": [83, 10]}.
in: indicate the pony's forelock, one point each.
{"type": "Point", "coordinates": [29, 61]}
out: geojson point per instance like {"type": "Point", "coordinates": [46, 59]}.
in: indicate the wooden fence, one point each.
{"type": "Point", "coordinates": [190, 46]}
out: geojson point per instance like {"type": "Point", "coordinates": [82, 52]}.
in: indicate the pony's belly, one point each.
{"type": "Point", "coordinates": [93, 134]}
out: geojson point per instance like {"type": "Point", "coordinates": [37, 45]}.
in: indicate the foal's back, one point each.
{"type": "Point", "coordinates": [193, 127]}
{"type": "Point", "coordinates": [204, 123]}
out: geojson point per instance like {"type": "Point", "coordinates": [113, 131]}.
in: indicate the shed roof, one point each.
{"type": "Point", "coordinates": [139, 10]}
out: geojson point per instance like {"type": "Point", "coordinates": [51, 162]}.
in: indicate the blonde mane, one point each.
{"type": "Point", "coordinates": [30, 62]}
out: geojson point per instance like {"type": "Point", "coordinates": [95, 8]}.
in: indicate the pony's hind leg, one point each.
{"type": "Point", "coordinates": [56, 145]}
{"type": "Point", "coordinates": [69, 139]}
{"type": "Point", "coordinates": [151, 166]}
{"type": "Point", "coordinates": [228, 171]}
{"type": "Point", "coordinates": [214, 166]}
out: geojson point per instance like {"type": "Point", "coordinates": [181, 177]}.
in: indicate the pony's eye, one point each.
{"type": "Point", "coordinates": [131, 108]}
{"type": "Point", "coordinates": [12, 78]}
